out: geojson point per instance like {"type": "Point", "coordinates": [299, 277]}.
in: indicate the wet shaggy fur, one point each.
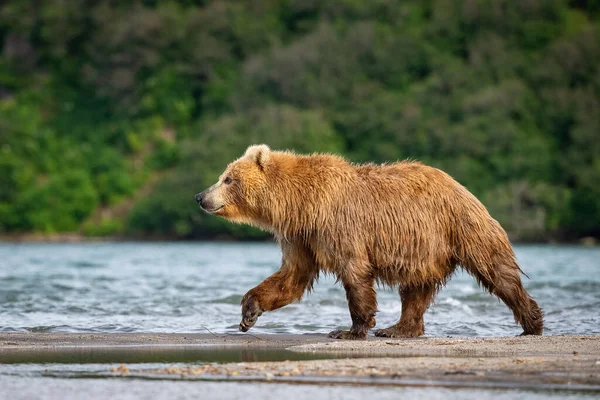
{"type": "Point", "coordinates": [403, 224]}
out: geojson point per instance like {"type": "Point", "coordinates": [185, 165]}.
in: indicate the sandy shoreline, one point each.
{"type": "Point", "coordinates": [564, 362]}
{"type": "Point", "coordinates": [9, 340]}
{"type": "Point", "coordinates": [560, 345]}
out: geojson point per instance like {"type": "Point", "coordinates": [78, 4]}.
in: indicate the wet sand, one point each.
{"type": "Point", "coordinates": [562, 362]}
{"type": "Point", "coordinates": [41, 340]}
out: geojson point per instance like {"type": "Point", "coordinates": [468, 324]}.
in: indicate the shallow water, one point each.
{"type": "Point", "coordinates": [75, 381]}
{"type": "Point", "coordinates": [191, 287]}
{"type": "Point", "coordinates": [44, 388]}
{"type": "Point", "coordinates": [188, 287]}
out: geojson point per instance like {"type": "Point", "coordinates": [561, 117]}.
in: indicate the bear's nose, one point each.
{"type": "Point", "coordinates": [199, 197]}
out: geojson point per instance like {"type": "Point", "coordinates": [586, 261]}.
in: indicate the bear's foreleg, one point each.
{"type": "Point", "coordinates": [362, 302]}
{"type": "Point", "coordinates": [287, 285]}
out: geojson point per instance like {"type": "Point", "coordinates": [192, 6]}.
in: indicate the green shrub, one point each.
{"type": "Point", "coordinates": [95, 99]}
{"type": "Point", "coordinates": [106, 227]}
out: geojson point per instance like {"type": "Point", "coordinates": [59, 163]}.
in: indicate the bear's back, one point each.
{"type": "Point", "coordinates": [403, 214]}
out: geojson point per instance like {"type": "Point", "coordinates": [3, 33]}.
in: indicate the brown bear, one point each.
{"type": "Point", "coordinates": [403, 224]}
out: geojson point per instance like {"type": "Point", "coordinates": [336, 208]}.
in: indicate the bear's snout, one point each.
{"type": "Point", "coordinates": [208, 201]}
{"type": "Point", "coordinates": [201, 199]}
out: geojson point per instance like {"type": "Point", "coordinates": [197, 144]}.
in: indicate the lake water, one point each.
{"type": "Point", "coordinates": [67, 389]}
{"type": "Point", "coordinates": [189, 287]}
{"type": "Point", "coordinates": [192, 287]}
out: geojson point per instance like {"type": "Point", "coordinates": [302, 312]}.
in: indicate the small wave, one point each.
{"type": "Point", "coordinates": [184, 286]}
{"type": "Point", "coordinates": [11, 329]}
{"type": "Point", "coordinates": [104, 278]}
{"type": "Point", "coordinates": [233, 299]}
{"type": "Point", "coordinates": [451, 301]}
{"type": "Point", "coordinates": [85, 264]}
{"type": "Point", "coordinates": [577, 286]}
{"type": "Point", "coordinates": [332, 302]}
{"type": "Point", "coordinates": [114, 328]}
{"type": "Point", "coordinates": [9, 296]}
{"type": "Point", "coordinates": [62, 287]}
{"type": "Point", "coordinates": [593, 306]}
{"type": "Point", "coordinates": [77, 310]}
{"type": "Point", "coordinates": [44, 329]}
{"type": "Point", "coordinates": [306, 328]}
{"type": "Point", "coordinates": [452, 329]}
{"type": "Point", "coordinates": [142, 261]}
{"type": "Point", "coordinates": [475, 297]}
{"type": "Point", "coordinates": [11, 279]}
{"type": "Point", "coordinates": [255, 264]}
{"type": "Point", "coordinates": [467, 289]}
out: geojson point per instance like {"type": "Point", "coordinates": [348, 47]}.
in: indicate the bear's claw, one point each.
{"type": "Point", "coordinates": [347, 335]}
{"type": "Point", "coordinates": [395, 332]}
{"type": "Point", "coordinates": [250, 313]}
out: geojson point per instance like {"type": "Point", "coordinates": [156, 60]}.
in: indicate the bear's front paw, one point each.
{"type": "Point", "coordinates": [250, 313]}
{"type": "Point", "coordinates": [347, 335]}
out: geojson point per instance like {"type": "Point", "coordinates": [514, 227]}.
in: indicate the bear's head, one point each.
{"type": "Point", "coordinates": [239, 193]}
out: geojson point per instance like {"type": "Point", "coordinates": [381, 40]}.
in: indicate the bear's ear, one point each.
{"type": "Point", "coordinates": [259, 153]}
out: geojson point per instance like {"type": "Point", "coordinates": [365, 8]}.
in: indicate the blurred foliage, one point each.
{"type": "Point", "coordinates": [170, 210]}
{"type": "Point", "coordinates": [97, 97]}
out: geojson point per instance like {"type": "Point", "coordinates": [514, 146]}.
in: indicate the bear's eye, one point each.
{"type": "Point", "coordinates": [227, 180]}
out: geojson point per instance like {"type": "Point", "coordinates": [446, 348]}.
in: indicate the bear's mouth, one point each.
{"type": "Point", "coordinates": [213, 210]}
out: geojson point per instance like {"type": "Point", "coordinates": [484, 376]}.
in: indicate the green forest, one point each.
{"type": "Point", "coordinates": [113, 114]}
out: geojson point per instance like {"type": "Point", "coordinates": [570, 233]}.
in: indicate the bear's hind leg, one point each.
{"type": "Point", "coordinates": [362, 302]}
{"type": "Point", "coordinates": [415, 301]}
{"type": "Point", "coordinates": [504, 281]}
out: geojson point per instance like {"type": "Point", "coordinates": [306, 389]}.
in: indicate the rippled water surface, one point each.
{"type": "Point", "coordinates": [66, 389]}
{"type": "Point", "coordinates": [188, 287]}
